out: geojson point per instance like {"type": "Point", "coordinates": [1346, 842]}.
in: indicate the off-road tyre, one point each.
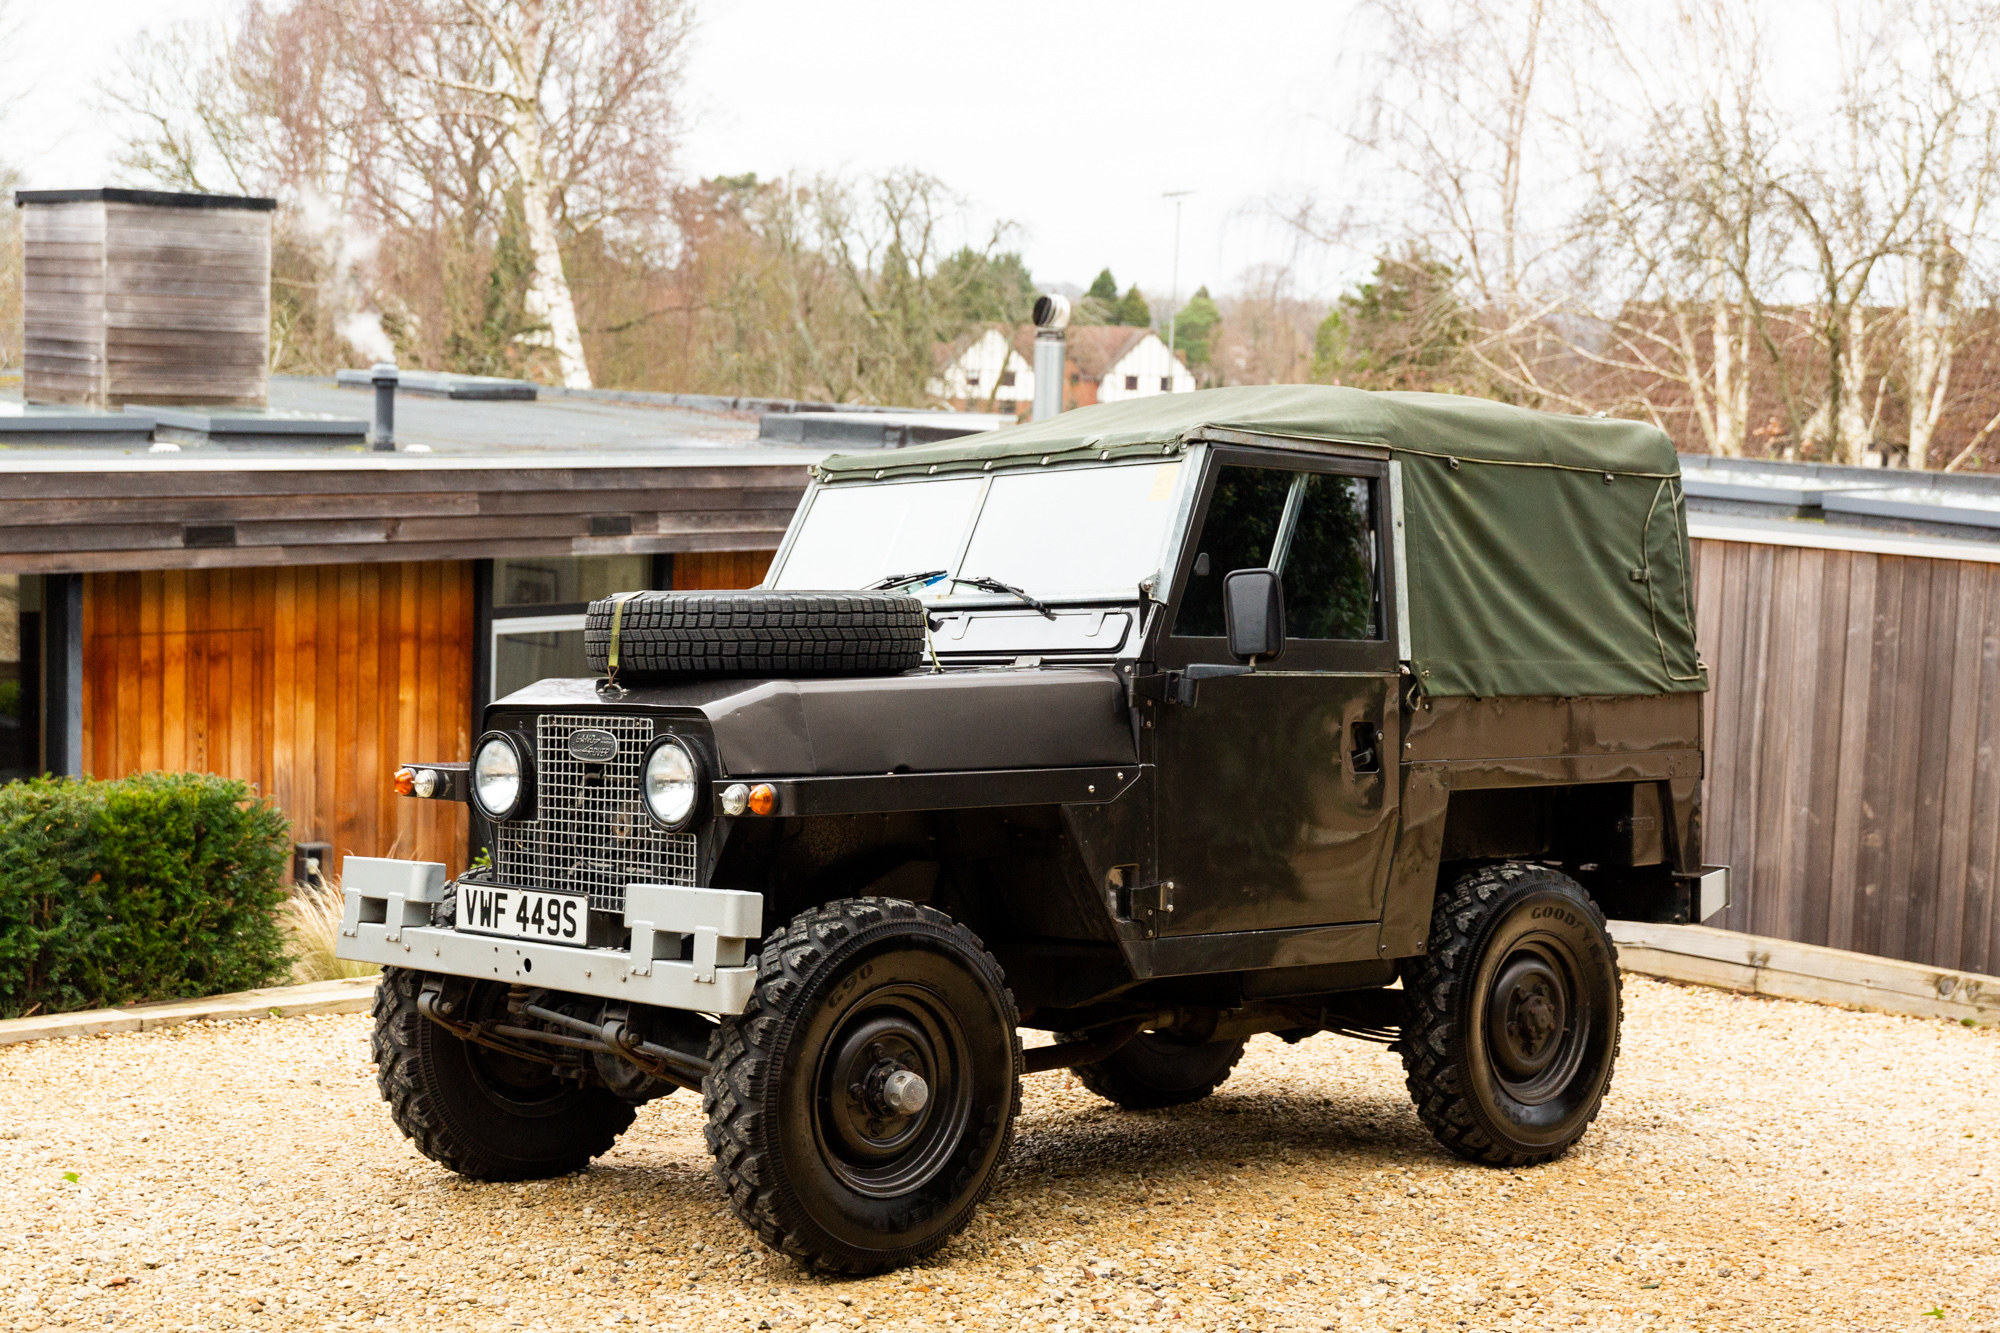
{"type": "Point", "coordinates": [839, 988]}
{"type": "Point", "coordinates": [480, 1113]}
{"type": "Point", "coordinates": [756, 633]}
{"type": "Point", "coordinates": [1154, 1070]}
{"type": "Point", "coordinates": [1497, 1082]}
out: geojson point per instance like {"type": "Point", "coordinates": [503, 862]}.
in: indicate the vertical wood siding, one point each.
{"type": "Point", "coordinates": [312, 682]}
{"type": "Point", "coordinates": [695, 570]}
{"type": "Point", "coordinates": [1853, 782]}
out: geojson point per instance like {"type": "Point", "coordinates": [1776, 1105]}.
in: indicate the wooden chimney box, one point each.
{"type": "Point", "coordinates": [140, 296]}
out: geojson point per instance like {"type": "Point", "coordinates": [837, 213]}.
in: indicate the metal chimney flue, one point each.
{"type": "Point", "coordinates": [1051, 318]}
{"type": "Point", "coordinates": [385, 377]}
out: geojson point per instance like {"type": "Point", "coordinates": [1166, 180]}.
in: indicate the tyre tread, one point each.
{"type": "Point", "coordinates": [414, 1105]}
{"type": "Point", "coordinates": [739, 1053]}
{"type": "Point", "coordinates": [756, 632]}
{"type": "Point", "coordinates": [1431, 984]}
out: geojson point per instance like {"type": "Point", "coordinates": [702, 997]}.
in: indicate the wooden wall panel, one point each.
{"type": "Point", "coordinates": [1854, 747]}
{"type": "Point", "coordinates": [694, 570]}
{"type": "Point", "coordinates": [311, 682]}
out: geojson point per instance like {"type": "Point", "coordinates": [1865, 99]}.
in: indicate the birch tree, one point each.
{"type": "Point", "coordinates": [1674, 244]}
{"type": "Point", "coordinates": [1952, 172]}
{"type": "Point", "coordinates": [580, 95]}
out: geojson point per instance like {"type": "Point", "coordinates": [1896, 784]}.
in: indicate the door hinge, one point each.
{"type": "Point", "coordinates": [1179, 687]}
{"type": "Point", "coordinates": [1145, 905]}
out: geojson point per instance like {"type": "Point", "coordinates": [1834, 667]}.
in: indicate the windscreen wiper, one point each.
{"type": "Point", "coordinates": [995, 585]}
{"type": "Point", "coordinates": [898, 580]}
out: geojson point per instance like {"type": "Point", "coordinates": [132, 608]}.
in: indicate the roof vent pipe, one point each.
{"type": "Point", "coordinates": [384, 375]}
{"type": "Point", "coordinates": [1051, 318]}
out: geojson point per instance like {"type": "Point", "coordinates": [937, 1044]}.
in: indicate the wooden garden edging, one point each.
{"type": "Point", "coordinates": [1760, 965]}
{"type": "Point", "coordinates": [352, 996]}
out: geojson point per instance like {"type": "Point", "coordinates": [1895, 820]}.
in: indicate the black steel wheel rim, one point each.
{"type": "Point", "coordinates": [1537, 1019]}
{"type": "Point", "coordinates": [868, 1146]}
{"type": "Point", "coordinates": [524, 1087]}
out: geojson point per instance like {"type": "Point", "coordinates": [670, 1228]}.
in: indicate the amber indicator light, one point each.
{"type": "Point", "coordinates": [406, 781]}
{"type": "Point", "coordinates": [763, 799]}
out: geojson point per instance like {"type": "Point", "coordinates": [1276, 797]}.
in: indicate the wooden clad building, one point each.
{"type": "Point", "coordinates": [1853, 735]}
{"type": "Point", "coordinates": [306, 623]}
{"type": "Point", "coordinates": [143, 296]}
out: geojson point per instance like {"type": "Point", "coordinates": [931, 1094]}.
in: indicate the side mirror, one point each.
{"type": "Point", "coordinates": [1253, 609]}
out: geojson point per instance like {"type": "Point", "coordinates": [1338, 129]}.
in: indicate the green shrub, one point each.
{"type": "Point", "coordinates": [155, 886]}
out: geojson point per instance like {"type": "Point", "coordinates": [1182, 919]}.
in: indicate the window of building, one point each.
{"type": "Point", "coordinates": [1166, 384]}
{"type": "Point", "coordinates": [971, 379]}
{"type": "Point", "coordinates": [1006, 379]}
{"type": "Point", "coordinates": [538, 609]}
{"type": "Point", "coordinates": [20, 676]}
{"type": "Point", "coordinates": [1131, 382]}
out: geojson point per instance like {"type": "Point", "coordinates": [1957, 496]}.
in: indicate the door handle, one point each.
{"type": "Point", "coordinates": [1366, 756]}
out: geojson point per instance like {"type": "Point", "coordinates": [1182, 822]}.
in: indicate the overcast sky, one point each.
{"type": "Point", "coordinates": [1068, 119]}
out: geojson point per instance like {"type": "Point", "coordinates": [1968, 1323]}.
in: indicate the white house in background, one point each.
{"type": "Point", "coordinates": [1106, 363]}
{"type": "Point", "coordinates": [1109, 363]}
{"type": "Point", "coordinates": [985, 367]}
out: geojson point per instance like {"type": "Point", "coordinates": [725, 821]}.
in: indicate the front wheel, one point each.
{"type": "Point", "coordinates": [1512, 1017]}
{"type": "Point", "coordinates": [860, 1107]}
{"type": "Point", "coordinates": [481, 1112]}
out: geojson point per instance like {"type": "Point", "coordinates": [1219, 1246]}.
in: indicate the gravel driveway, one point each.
{"type": "Point", "coordinates": [1760, 1164]}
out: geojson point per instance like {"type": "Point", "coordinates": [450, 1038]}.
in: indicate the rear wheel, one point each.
{"type": "Point", "coordinates": [482, 1113]}
{"type": "Point", "coordinates": [1154, 1070]}
{"type": "Point", "coordinates": [1513, 1016]}
{"type": "Point", "coordinates": [861, 1106]}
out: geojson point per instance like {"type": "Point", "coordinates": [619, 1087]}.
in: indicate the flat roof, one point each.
{"type": "Point", "coordinates": [474, 479]}
{"type": "Point", "coordinates": [156, 198]}
{"type": "Point", "coordinates": [1842, 508]}
{"type": "Point", "coordinates": [431, 433]}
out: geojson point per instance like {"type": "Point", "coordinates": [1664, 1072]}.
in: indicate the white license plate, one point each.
{"type": "Point", "coordinates": [526, 914]}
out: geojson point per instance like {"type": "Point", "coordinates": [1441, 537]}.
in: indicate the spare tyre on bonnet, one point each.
{"type": "Point", "coordinates": [640, 636]}
{"type": "Point", "coordinates": [1154, 727]}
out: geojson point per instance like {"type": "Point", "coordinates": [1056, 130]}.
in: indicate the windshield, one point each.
{"type": "Point", "coordinates": [1068, 532]}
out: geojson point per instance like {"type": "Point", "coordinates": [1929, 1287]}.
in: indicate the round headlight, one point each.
{"type": "Point", "coordinates": [497, 776]}
{"type": "Point", "coordinates": [671, 782]}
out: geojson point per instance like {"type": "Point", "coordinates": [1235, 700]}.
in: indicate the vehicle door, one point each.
{"type": "Point", "coordinates": [1277, 789]}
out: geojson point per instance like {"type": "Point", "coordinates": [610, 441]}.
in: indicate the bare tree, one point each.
{"type": "Point", "coordinates": [1266, 332]}
{"type": "Point", "coordinates": [1952, 171]}
{"type": "Point", "coordinates": [576, 98]}
{"type": "Point", "coordinates": [440, 127]}
{"type": "Point", "coordinates": [1674, 243]}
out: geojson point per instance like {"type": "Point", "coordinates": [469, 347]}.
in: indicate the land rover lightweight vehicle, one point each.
{"type": "Point", "coordinates": [1154, 726]}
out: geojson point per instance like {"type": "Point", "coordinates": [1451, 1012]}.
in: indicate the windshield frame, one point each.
{"type": "Point", "coordinates": [1179, 503]}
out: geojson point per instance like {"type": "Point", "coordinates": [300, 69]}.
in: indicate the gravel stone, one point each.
{"type": "Point", "coordinates": [1759, 1164]}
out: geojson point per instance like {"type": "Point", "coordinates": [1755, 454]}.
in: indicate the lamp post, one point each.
{"type": "Point", "coordinates": [1173, 319]}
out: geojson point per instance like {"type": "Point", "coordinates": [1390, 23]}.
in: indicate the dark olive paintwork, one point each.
{"type": "Point", "coordinates": [1120, 832]}
{"type": "Point", "coordinates": [1265, 822]}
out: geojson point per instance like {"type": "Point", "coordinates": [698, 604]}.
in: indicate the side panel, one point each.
{"type": "Point", "coordinates": [1536, 742]}
{"type": "Point", "coordinates": [1413, 879]}
{"type": "Point", "coordinates": [1030, 718]}
{"type": "Point", "coordinates": [1265, 822]}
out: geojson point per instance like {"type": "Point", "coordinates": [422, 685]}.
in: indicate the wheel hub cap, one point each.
{"type": "Point", "coordinates": [1528, 1016]}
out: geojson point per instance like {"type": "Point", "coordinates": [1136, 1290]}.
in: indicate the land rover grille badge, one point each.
{"type": "Point", "coordinates": [592, 745]}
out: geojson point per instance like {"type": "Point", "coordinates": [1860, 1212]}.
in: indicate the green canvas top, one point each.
{"type": "Point", "coordinates": [1547, 554]}
{"type": "Point", "coordinates": [1426, 422]}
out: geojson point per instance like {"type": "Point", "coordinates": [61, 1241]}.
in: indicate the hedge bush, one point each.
{"type": "Point", "coordinates": [150, 887]}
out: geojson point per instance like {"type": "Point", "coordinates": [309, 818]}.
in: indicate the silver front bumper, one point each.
{"type": "Point", "coordinates": [387, 920]}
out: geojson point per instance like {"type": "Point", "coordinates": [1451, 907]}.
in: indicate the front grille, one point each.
{"type": "Point", "coordinates": [589, 831]}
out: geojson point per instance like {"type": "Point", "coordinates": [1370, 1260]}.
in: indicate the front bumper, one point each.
{"type": "Point", "coordinates": [387, 920]}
